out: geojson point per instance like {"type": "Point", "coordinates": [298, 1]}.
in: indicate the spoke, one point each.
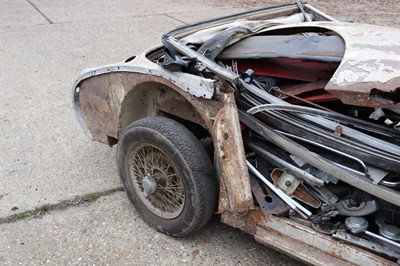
{"type": "Point", "coordinates": [138, 172]}
{"type": "Point", "coordinates": [175, 194]}
{"type": "Point", "coordinates": [172, 203]}
{"type": "Point", "coordinates": [166, 197]}
{"type": "Point", "coordinates": [168, 202]}
{"type": "Point", "coordinates": [169, 198]}
{"type": "Point", "coordinates": [172, 178]}
{"type": "Point", "coordinates": [142, 159]}
{"type": "Point", "coordinates": [175, 184]}
{"type": "Point", "coordinates": [160, 155]}
{"type": "Point", "coordinates": [152, 156]}
{"type": "Point", "coordinates": [170, 188]}
{"type": "Point", "coordinates": [138, 160]}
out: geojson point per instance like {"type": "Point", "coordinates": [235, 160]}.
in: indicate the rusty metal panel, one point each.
{"type": "Point", "coordinates": [102, 98]}
{"type": "Point", "coordinates": [269, 202]}
{"type": "Point", "coordinates": [95, 104]}
{"type": "Point", "coordinates": [299, 241]}
{"type": "Point", "coordinates": [246, 222]}
{"type": "Point", "coordinates": [310, 246]}
{"type": "Point", "coordinates": [230, 154]}
{"type": "Point", "coordinates": [223, 202]}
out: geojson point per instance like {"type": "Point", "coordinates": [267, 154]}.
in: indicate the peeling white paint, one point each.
{"type": "Point", "coordinates": [372, 52]}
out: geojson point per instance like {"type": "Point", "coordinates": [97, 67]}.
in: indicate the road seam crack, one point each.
{"type": "Point", "coordinates": [41, 13]}
{"type": "Point", "coordinates": [174, 18]}
{"type": "Point", "coordinates": [62, 205]}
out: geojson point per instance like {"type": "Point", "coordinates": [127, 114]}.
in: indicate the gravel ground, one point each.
{"type": "Point", "coordinates": [381, 12]}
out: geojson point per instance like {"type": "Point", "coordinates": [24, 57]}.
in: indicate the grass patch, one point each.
{"type": "Point", "coordinates": [40, 211]}
{"type": "Point", "coordinates": [85, 198]}
{"type": "Point", "coordinates": [26, 214]}
{"type": "Point", "coordinates": [92, 197]}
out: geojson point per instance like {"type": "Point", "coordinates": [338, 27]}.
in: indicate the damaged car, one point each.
{"type": "Point", "coordinates": [283, 120]}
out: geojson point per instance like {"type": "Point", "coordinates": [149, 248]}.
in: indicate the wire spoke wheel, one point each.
{"type": "Point", "coordinates": [168, 199]}
{"type": "Point", "coordinates": [167, 175]}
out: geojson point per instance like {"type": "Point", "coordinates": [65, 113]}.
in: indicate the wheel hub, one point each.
{"type": "Point", "coordinates": [157, 181]}
{"type": "Point", "coordinates": [149, 185]}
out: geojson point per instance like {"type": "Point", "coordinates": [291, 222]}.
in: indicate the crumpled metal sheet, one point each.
{"type": "Point", "coordinates": [204, 35]}
{"type": "Point", "coordinates": [369, 74]}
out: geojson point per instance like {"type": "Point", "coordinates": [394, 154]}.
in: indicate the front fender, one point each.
{"type": "Point", "coordinates": [98, 93]}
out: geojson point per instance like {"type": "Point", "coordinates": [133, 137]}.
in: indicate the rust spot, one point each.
{"type": "Point", "coordinates": [367, 94]}
{"type": "Point", "coordinates": [268, 201]}
{"type": "Point", "coordinates": [301, 193]}
{"type": "Point", "coordinates": [338, 131]}
{"type": "Point", "coordinates": [107, 107]}
{"type": "Point", "coordinates": [229, 151]}
{"type": "Point", "coordinates": [246, 221]}
{"type": "Point", "coordinates": [393, 95]}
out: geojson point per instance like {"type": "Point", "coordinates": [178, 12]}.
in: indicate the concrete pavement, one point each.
{"type": "Point", "coordinates": [110, 232]}
{"type": "Point", "coordinates": [46, 159]}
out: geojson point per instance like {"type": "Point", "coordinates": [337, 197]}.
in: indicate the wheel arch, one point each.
{"type": "Point", "coordinates": [158, 98]}
{"type": "Point", "coordinates": [107, 103]}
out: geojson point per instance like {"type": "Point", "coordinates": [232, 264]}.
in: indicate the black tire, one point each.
{"type": "Point", "coordinates": [177, 165]}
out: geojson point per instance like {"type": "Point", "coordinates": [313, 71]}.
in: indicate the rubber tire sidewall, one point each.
{"type": "Point", "coordinates": [191, 167]}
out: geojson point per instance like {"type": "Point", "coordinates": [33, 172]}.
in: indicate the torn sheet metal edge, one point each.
{"type": "Point", "coordinates": [370, 63]}
{"type": "Point", "coordinates": [195, 85]}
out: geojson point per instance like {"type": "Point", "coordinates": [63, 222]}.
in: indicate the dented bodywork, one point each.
{"type": "Point", "coordinates": [292, 91]}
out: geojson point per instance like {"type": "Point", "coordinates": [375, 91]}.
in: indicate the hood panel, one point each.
{"type": "Point", "coordinates": [369, 74]}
